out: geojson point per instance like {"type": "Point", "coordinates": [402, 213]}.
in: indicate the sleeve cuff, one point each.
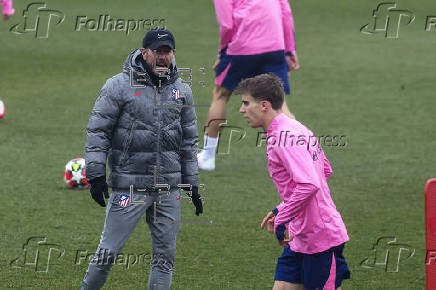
{"type": "Point", "coordinates": [288, 53]}
{"type": "Point", "coordinates": [222, 50]}
{"type": "Point", "coordinates": [275, 211]}
{"type": "Point", "coordinates": [280, 232]}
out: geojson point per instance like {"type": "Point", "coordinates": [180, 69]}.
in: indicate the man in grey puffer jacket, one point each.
{"type": "Point", "coordinates": [144, 124]}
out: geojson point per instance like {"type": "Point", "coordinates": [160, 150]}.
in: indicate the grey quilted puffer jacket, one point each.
{"type": "Point", "coordinates": [147, 138]}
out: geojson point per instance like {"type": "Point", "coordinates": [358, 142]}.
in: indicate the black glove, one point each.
{"type": "Point", "coordinates": [196, 200]}
{"type": "Point", "coordinates": [98, 188]}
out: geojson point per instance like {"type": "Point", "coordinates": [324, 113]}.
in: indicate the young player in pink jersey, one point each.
{"type": "Point", "coordinates": [256, 37]}
{"type": "Point", "coordinates": [312, 258]}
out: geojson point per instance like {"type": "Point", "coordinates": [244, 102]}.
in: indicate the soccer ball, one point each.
{"type": "Point", "coordinates": [75, 174]}
{"type": "Point", "coordinates": [2, 109]}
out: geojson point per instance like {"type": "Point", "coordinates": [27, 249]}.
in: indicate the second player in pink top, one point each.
{"type": "Point", "coordinates": [299, 169]}
{"type": "Point", "coordinates": [254, 27]}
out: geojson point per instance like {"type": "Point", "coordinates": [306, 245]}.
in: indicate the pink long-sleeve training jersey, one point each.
{"type": "Point", "coordinates": [7, 8]}
{"type": "Point", "coordinates": [255, 26]}
{"type": "Point", "coordinates": [299, 169]}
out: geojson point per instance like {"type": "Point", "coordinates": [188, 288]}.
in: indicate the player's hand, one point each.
{"type": "Point", "coordinates": [5, 17]}
{"type": "Point", "coordinates": [196, 200]}
{"type": "Point", "coordinates": [99, 189]}
{"type": "Point", "coordinates": [292, 62]}
{"type": "Point", "coordinates": [269, 221]}
{"type": "Point", "coordinates": [217, 63]}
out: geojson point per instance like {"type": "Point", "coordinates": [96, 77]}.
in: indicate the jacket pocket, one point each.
{"type": "Point", "coordinates": [126, 144]}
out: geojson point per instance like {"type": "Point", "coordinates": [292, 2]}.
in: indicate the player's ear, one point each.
{"type": "Point", "coordinates": [265, 106]}
{"type": "Point", "coordinates": [144, 52]}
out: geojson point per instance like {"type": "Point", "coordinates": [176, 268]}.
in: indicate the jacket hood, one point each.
{"type": "Point", "coordinates": [140, 72]}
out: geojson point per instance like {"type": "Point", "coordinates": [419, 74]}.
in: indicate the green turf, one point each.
{"type": "Point", "coordinates": [378, 92]}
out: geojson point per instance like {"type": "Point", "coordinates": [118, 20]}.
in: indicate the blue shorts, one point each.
{"type": "Point", "coordinates": [234, 68]}
{"type": "Point", "coordinates": [315, 271]}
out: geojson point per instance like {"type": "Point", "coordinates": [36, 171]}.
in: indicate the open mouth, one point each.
{"type": "Point", "coordinates": [161, 64]}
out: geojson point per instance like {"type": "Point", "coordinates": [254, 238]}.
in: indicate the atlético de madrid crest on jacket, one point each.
{"type": "Point", "coordinates": [175, 93]}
